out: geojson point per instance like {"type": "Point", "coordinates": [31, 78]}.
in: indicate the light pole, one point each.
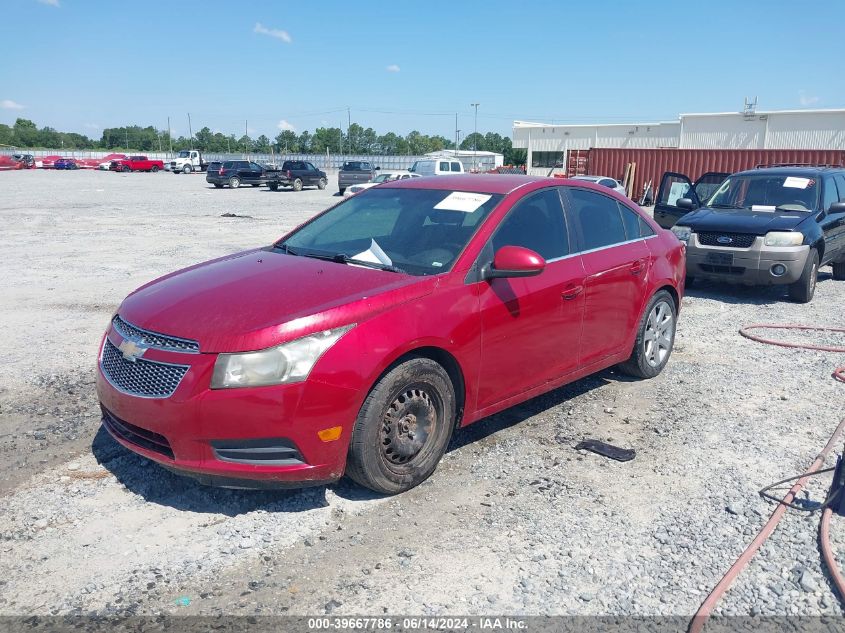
{"type": "Point", "coordinates": [475, 138]}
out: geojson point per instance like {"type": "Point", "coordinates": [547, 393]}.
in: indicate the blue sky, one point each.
{"type": "Point", "coordinates": [81, 65]}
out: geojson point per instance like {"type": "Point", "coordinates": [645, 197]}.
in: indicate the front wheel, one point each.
{"type": "Point", "coordinates": [403, 427]}
{"type": "Point", "coordinates": [187, 169]}
{"type": "Point", "coordinates": [234, 182]}
{"type": "Point", "coordinates": [322, 183]}
{"type": "Point", "coordinates": [655, 338]}
{"type": "Point", "coordinates": [297, 184]}
{"type": "Point", "coordinates": [802, 291]}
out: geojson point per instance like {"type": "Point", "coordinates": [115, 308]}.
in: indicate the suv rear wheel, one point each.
{"type": "Point", "coordinates": [802, 291]}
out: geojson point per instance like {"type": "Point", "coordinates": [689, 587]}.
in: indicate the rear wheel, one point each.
{"type": "Point", "coordinates": [187, 169]}
{"type": "Point", "coordinates": [655, 338]}
{"type": "Point", "coordinates": [234, 182]}
{"type": "Point", "coordinates": [297, 185]}
{"type": "Point", "coordinates": [839, 271]}
{"type": "Point", "coordinates": [218, 185]}
{"type": "Point", "coordinates": [154, 168]}
{"type": "Point", "coordinates": [802, 291]}
{"type": "Point", "coordinates": [403, 427]}
{"type": "Point", "coordinates": [274, 186]}
{"type": "Point", "coordinates": [322, 183]}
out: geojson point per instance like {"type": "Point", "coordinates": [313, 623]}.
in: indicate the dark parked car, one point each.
{"type": "Point", "coordinates": [772, 225]}
{"type": "Point", "coordinates": [235, 173]}
{"type": "Point", "coordinates": [65, 163]}
{"type": "Point", "coordinates": [361, 340]}
{"type": "Point", "coordinates": [296, 174]}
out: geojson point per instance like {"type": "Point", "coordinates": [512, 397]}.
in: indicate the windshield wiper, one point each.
{"type": "Point", "coordinates": [341, 258]}
{"type": "Point", "coordinates": [725, 206]}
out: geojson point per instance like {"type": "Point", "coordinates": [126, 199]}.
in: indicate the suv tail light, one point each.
{"type": "Point", "coordinates": [221, 170]}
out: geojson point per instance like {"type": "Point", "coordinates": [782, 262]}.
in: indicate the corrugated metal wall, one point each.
{"type": "Point", "coordinates": [652, 163]}
{"type": "Point", "coordinates": [763, 130]}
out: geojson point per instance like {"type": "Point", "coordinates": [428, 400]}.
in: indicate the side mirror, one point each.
{"type": "Point", "coordinates": [378, 168]}
{"type": "Point", "coordinates": [515, 261]}
{"type": "Point", "coordinates": [685, 203]}
{"type": "Point", "coordinates": [837, 207]}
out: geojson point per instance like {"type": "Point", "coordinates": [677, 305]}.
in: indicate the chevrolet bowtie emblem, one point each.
{"type": "Point", "coordinates": [131, 350]}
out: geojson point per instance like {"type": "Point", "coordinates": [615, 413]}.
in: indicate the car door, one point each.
{"type": "Point", "coordinates": [616, 263]}
{"type": "Point", "coordinates": [313, 174]}
{"type": "Point", "coordinates": [256, 173]}
{"type": "Point", "coordinates": [832, 224]}
{"type": "Point", "coordinates": [674, 186]}
{"type": "Point", "coordinates": [530, 326]}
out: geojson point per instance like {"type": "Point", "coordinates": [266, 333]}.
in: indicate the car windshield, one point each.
{"type": "Point", "coordinates": [777, 192]}
{"type": "Point", "coordinates": [416, 231]}
{"type": "Point", "coordinates": [184, 154]}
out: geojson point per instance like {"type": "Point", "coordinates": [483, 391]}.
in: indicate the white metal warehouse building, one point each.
{"type": "Point", "coordinates": [547, 143]}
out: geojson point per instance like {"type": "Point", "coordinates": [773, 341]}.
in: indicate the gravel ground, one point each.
{"type": "Point", "coordinates": [514, 521]}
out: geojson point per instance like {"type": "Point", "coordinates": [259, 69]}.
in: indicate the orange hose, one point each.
{"type": "Point", "coordinates": [827, 554]}
{"type": "Point", "coordinates": [720, 589]}
{"type": "Point", "coordinates": [706, 608]}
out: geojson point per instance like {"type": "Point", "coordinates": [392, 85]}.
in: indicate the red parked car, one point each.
{"type": "Point", "coordinates": [358, 342]}
{"type": "Point", "coordinates": [137, 163]}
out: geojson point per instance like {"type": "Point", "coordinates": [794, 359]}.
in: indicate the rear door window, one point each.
{"type": "Point", "coordinates": [631, 221]}
{"type": "Point", "coordinates": [443, 166]}
{"type": "Point", "coordinates": [598, 218]}
{"type": "Point", "coordinates": [456, 167]}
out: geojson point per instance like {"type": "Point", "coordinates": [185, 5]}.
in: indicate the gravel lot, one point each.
{"type": "Point", "coordinates": [514, 521]}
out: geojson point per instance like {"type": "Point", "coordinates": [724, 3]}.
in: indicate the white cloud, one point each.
{"type": "Point", "coordinates": [52, 3]}
{"type": "Point", "coordinates": [279, 34]}
{"type": "Point", "coordinates": [805, 99]}
{"type": "Point", "coordinates": [284, 125]}
{"type": "Point", "coordinates": [393, 68]}
{"type": "Point", "coordinates": [8, 104]}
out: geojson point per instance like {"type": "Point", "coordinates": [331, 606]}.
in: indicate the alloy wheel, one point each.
{"type": "Point", "coordinates": [657, 340]}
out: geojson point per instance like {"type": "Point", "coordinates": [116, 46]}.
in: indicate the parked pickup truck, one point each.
{"type": "Point", "coordinates": [136, 163]}
{"type": "Point", "coordinates": [355, 172]}
{"type": "Point", "coordinates": [186, 161]}
{"type": "Point", "coordinates": [296, 174]}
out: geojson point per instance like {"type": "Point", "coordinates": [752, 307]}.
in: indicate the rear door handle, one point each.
{"type": "Point", "coordinates": [570, 292]}
{"type": "Point", "coordinates": [637, 267]}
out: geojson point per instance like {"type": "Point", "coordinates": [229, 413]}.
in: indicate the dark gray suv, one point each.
{"type": "Point", "coordinates": [235, 173]}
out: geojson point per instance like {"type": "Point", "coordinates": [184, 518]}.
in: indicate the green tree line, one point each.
{"type": "Point", "coordinates": [355, 140]}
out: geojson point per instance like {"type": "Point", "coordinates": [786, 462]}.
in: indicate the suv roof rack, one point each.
{"type": "Point", "coordinates": [820, 165]}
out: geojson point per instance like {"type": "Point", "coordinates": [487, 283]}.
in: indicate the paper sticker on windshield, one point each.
{"type": "Point", "coordinates": [796, 183]}
{"type": "Point", "coordinates": [461, 201]}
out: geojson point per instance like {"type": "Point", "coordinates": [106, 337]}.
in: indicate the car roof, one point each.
{"type": "Point", "coordinates": [591, 178]}
{"type": "Point", "coordinates": [474, 183]}
{"type": "Point", "coordinates": [787, 170]}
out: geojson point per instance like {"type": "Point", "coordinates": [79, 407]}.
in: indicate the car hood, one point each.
{"type": "Point", "coordinates": [257, 299]}
{"type": "Point", "coordinates": [742, 220]}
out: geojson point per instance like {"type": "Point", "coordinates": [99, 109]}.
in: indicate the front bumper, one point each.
{"type": "Point", "coordinates": [245, 438]}
{"type": "Point", "coordinates": [755, 265]}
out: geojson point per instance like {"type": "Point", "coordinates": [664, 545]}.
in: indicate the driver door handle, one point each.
{"type": "Point", "coordinates": [572, 291]}
{"type": "Point", "coordinates": [637, 267]}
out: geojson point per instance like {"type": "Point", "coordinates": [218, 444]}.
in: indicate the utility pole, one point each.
{"type": "Point", "coordinates": [125, 136]}
{"type": "Point", "coordinates": [457, 131]}
{"type": "Point", "coordinates": [246, 134]}
{"type": "Point", "coordinates": [190, 130]}
{"type": "Point", "coordinates": [475, 138]}
{"type": "Point", "coordinates": [170, 136]}
{"type": "Point", "coordinates": [348, 125]}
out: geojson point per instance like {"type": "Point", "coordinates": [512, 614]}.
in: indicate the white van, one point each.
{"type": "Point", "coordinates": [437, 167]}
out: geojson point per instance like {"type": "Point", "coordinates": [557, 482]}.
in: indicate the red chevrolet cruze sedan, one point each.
{"type": "Point", "coordinates": [358, 342]}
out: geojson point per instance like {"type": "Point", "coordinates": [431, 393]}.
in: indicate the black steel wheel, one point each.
{"type": "Point", "coordinates": [403, 427]}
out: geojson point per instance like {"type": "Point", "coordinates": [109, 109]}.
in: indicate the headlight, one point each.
{"type": "Point", "coordinates": [286, 363]}
{"type": "Point", "coordinates": [783, 238]}
{"type": "Point", "coordinates": [682, 233]}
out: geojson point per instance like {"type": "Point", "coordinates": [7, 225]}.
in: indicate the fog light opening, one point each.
{"type": "Point", "coordinates": [330, 434]}
{"type": "Point", "coordinates": [778, 270]}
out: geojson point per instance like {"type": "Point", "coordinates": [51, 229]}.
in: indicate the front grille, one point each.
{"type": "Point", "coordinates": [136, 435]}
{"type": "Point", "coordinates": [738, 240]}
{"type": "Point", "coordinates": [154, 339]}
{"type": "Point", "coordinates": [145, 378]}
{"type": "Point", "coordinates": [722, 270]}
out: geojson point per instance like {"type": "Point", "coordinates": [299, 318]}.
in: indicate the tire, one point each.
{"type": "Point", "coordinates": [234, 182]}
{"type": "Point", "coordinates": [217, 185]}
{"type": "Point", "coordinates": [802, 291]}
{"type": "Point", "coordinates": [391, 451]}
{"type": "Point", "coordinates": [187, 169]}
{"type": "Point", "coordinates": [297, 184]}
{"type": "Point", "coordinates": [274, 186]}
{"type": "Point", "coordinates": [655, 338]}
{"type": "Point", "coordinates": [341, 190]}
{"type": "Point", "coordinates": [255, 184]}
{"type": "Point", "coordinates": [154, 168]}
{"type": "Point", "coordinates": [839, 271]}
{"type": "Point", "coordinates": [322, 184]}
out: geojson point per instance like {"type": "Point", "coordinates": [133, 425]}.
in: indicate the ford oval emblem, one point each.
{"type": "Point", "coordinates": [724, 239]}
